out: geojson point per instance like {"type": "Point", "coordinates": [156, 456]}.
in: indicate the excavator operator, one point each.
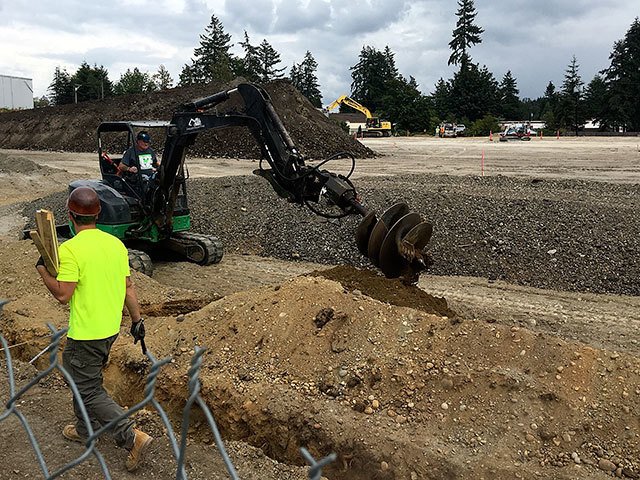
{"type": "Point", "coordinates": [140, 158]}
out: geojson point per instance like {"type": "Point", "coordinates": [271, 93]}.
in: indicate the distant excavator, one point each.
{"type": "Point", "coordinates": [374, 127]}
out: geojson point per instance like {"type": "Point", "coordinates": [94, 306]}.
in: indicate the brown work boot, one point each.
{"type": "Point", "coordinates": [71, 433]}
{"type": "Point", "coordinates": [140, 447]}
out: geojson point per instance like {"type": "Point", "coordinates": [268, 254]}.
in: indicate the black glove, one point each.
{"type": "Point", "coordinates": [40, 262]}
{"type": "Point", "coordinates": [137, 331]}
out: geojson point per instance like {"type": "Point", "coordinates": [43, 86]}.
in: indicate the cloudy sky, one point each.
{"type": "Point", "coordinates": [534, 39]}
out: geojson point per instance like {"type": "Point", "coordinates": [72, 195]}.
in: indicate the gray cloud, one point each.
{"type": "Point", "coordinates": [535, 40]}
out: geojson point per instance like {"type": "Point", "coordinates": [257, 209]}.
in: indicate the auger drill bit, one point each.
{"type": "Point", "coordinates": [396, 242]}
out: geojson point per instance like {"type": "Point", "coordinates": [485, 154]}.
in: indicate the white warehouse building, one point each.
{"type": "Point", "coordinates": [16, 92]}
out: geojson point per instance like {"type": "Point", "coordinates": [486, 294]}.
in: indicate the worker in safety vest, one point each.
{"type": "Point", "coordinates": [93, 278]}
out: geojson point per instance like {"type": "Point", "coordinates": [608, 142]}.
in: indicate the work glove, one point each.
{"type": "Point", "coordinates": [40, 262]}
{"type": "Point", "coordinates": [137, 331]}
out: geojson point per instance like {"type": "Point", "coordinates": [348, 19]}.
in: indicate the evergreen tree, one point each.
{"type": "Point", "coordinates": [61, 90]}
{"type": "Point", "coordinates": [370, 77]}
{"type": "Point", "coordinates": [442, 99]}
{"type": "Point", "coordinates": [550, 107]}
{"type": "Point", "coordinates": [134, 82]}
{"type": "Point", "coordinates": [465, 34]}
{"type": "Point", "coordinates": [622, 79]}
{"type": "Point", "coordinates": [268, 58]}
{"type": "Point", "coordinates": [187, 76]}
{"type": "Point", "coordinates": [570, 113]}
{"type": "Point", "coordinates": [92, 83]}
{"type": "Point", "coordinates": [249, 66]}
{"type": "Point", "coordinates": [162, 78]}
{"type": "Point", "coordinates": [509, 100]}
{"type": "Point", "coordinates": [473, 93]}
{"type": "Point", "coordinates": [596, 101]}
{"type": "Point", "coordinates": [304, 78]}
{"type": "Point", "coordinates": [212, 60]}
{"type": "Point", "coordinates": [410, 110]}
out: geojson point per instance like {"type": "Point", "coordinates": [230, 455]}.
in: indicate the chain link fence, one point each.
{"type": "Point", "coordinates": [178, 443]}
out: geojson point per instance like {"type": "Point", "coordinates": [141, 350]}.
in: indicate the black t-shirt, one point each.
{"type": "Point", "coordinates": [146, 161]}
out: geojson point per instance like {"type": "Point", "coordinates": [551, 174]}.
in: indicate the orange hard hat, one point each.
{"type": "Point", "coordinates": [84, 201]}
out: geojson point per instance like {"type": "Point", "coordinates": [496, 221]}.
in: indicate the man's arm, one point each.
{"type": "Point", "coordinates": [131, 301]}
{"type": "Point", "coordinates": [125, 163]}
{"type": "Point", "coordinates": [61, 291]}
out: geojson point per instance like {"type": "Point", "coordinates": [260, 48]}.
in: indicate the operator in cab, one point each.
{"type": "Point", "coordinates": [140, 157]}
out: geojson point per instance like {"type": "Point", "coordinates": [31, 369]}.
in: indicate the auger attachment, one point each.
{"type": "Point", "coordinates": [396, 242]}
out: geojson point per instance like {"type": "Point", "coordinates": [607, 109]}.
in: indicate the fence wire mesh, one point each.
{"type": "Point", "coordinates": [178, 444]}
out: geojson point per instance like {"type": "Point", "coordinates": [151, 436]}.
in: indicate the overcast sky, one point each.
{"type": "Point", "coordinates": [534, 39]}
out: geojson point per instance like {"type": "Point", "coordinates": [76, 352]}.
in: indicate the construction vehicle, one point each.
{"type": "Point", "coordinates": [159, 215]}
{"type": "Point", "coordinates": [517, 131]}
{"type": "Point", "coordinates": [374, 127]}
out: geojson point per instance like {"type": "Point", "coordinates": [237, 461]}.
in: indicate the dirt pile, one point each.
{"type": "Point", "coordinates": [395, 391]}
{"type": "Point", "coordinates": [72, 127]}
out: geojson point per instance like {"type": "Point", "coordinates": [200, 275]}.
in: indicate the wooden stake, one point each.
{"type": "Point", "coordinates": [46, 240]}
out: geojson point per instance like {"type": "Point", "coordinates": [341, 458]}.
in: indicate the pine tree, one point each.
{"type": "Point", "coordinates": [212, 60]}
{"type": "Point", "coordinates": [570, 112]}
{"type": "Point", "coordinates": [134, 81]}
{"type": "Point", "coordinates": [162, 78]}
{"type": "Point", "coordinates": [61, 90]}
{"type": "Point", "coordinates": [304, 78]}
{"type": "Point", "coordinates": [465, 34]}
{"type": "Point", "coordinates": [509, 100]}
{"type": "Point", "coordinates": [187, 76]}
{"type": "Point", "coordinates": [269, 58]}
{"type": "Point", "coordinates": [370, 76]}
{"type": "Point", "coordinates": [249, 65]}
{"type": "Point", "coordinates": [596, 101]}
{"type": "Point", "coordinates": [622, 79]}
{"type": "Point", "coordinates": [92, 83]}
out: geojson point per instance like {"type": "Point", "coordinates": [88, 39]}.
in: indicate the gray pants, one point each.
{"type": "Point", "coordinates": [84, 360]}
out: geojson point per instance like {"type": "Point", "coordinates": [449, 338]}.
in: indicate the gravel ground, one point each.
{"type": "Point", "coordinates": [561, 235]}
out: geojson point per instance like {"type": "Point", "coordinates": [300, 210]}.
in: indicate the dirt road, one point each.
{"type": "Point", "coordinates": [610, 159]}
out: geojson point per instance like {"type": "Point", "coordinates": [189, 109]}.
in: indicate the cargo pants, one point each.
{"type": "Point", "coordinates": [85, 360]}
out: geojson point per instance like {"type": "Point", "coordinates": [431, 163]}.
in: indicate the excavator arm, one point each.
{"type": "Point", "coordinates": [351, 103]}
{"type": "Point", "coordinates": [396, 242]}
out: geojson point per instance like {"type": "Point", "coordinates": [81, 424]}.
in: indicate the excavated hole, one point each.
{"type": "Point", "coordinates": [279, 438]}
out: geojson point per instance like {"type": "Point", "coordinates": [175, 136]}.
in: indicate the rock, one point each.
{"type": "Point", "coordinates": [606, 465]}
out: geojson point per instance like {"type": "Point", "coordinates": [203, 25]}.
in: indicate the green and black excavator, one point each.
{"type": "Point", "coordinates": [158, 214]}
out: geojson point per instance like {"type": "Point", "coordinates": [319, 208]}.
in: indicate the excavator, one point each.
{"type": "Point", "coordinates": [374, 127]}
{"type": "Point", "coordinates": [158, 215]}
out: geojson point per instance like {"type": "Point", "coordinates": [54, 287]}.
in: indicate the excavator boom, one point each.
{"type": "Point", "coordinates": [396, 242]}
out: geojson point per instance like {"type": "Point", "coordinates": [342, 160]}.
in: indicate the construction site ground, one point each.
{"type": "Point", "coordinates": [504, 380]}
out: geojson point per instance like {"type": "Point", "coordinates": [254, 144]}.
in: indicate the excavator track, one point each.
{"type": "Point", "coordinates": [197, 248]}
{"type": "Point", "coordinates": [140, 262]}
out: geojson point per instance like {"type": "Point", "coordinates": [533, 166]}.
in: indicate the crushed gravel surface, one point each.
{"type": "Point", "coordinates": [562, 235]}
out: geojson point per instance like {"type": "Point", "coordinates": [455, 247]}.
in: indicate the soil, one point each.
{"type": "Point", "coordinates": [481, 371]}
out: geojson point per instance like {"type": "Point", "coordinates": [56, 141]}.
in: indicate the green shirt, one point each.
{"type": "Point", "coordinates": [99, 264]}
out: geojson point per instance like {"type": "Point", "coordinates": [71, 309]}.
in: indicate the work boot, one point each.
{"type": "Point", "coordinates": [140, 447]}
{"type": "Point", "coordinates": [71, 433]}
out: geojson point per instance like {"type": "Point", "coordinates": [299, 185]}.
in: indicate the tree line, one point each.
{"type": "Point", "coordinates": [472, 96]}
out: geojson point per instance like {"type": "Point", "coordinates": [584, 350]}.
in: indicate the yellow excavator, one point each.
{"type": "Point", "coordinates": [374, 127]}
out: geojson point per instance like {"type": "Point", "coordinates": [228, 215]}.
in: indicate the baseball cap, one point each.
{"type": "Point", "coordinates": [144, 136]}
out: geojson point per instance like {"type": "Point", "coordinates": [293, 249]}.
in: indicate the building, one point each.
{"type": "Point", "coordinates": [16, 92]}
{"type": "Point", "coordinates": [353, 120]}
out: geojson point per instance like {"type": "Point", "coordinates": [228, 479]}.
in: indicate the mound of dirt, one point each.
{"type": "Point", "coordinates": [11, 165]}
{"type": "Point", "coordinates": [395, 391]}
{"type": "Point", "coordinates": [72, 127]}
